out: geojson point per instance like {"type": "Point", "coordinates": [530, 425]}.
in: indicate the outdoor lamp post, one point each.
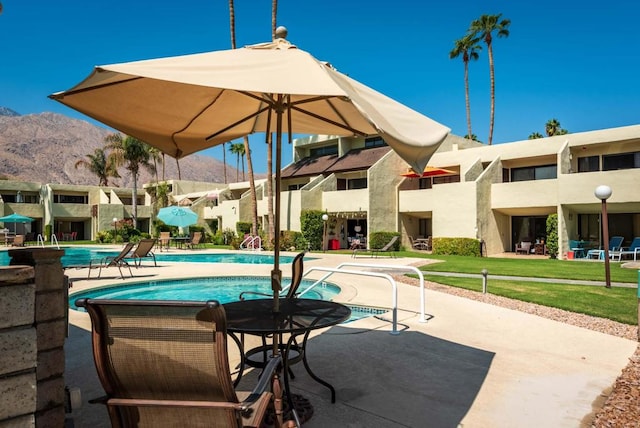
{"type": "Point", "coordinates": [115, 230]}
{"type": "Point", "coordinates": [603, 193]}
{"type": "Point", "coordinates": [325, 217]}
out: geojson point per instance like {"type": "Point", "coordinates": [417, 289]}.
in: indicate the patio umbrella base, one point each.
{"type": "Point", "coordinates": [303, 407]}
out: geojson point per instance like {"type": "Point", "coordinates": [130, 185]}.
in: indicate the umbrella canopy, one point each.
{"type": "Point", "coordinates": [177, 216]}
{"type": "Point", "coordinates": [429, 171]}
{"type": "Point", "coordinates": [184, 104]}
{"type": "Point", "coordinates": [15, 218]}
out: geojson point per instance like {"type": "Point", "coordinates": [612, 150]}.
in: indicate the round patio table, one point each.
{"type": "Point", "coordinates": [297, 317]}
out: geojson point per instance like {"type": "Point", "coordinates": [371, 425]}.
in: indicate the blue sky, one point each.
{"type": "Point", "coordinates": [570, 60]}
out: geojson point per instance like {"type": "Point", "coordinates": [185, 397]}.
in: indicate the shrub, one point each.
{"type": "Point", "coordinates": [243, 228]}
{"type": "Point", "coordinates": [552, 235]}
{"type": "Point", "coordinates": [456, 247]}
{"type": "Point", "coordinates": [312, 228]}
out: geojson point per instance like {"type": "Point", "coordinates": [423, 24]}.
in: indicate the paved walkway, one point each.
{"type": "Point", "coordinates": [472, 364]}
{"type": "Point", "coordinates": [529, 279]}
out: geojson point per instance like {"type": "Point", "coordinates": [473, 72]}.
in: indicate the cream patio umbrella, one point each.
{"type": "Point", "coordinates": [188, 103]}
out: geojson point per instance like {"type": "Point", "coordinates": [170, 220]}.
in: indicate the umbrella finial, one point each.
{"type": "Point", "coordinates": [281, 32]}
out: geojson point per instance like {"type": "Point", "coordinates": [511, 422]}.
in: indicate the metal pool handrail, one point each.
{"type": "Point", "coordinates": [391, 267]}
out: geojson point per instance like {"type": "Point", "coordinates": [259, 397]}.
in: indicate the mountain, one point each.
{"type": "Point", "coordinates": [45, 147]}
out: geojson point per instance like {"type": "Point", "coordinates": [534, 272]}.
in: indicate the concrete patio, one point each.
{"type": "Point", "coordinates": [471, 364]}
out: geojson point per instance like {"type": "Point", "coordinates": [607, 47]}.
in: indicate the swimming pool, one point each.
{"type": "Point", "coordinates": [225, 289]}
{"type": "Point", "coordinates": [80, 256]}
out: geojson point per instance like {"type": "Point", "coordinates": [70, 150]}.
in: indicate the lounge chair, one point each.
{"type": "Point", "coordinates": [143, 250]}
{"type": "Point", "coordinates": [118, 261]}
{"type": "Point", "coordinates": [614, 245]}
{"type": "Point", "coordinates": [523, 247]}
{"type": "Point", "coordinates": [165, 364]}
{"type": "Point", "coordinates": [375, 252]}
{"type": "Point", "coordinates": [631, 250]}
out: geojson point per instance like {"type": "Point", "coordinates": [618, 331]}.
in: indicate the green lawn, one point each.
{"type": "Point", "coordinates": [617, 303]}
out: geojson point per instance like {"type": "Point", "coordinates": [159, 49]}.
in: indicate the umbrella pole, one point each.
{"type": "Point", "coordinates": [276, 273]}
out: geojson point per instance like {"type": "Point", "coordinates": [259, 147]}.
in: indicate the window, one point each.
{"type": "Point", "coordinates": [296, 186]}
{"type": "Point", "coordinates": [505, 175]}
{"type": "Point", "coordinates": [357, 183]}
{"type": "Point", "coordinates": [70, 199]}
{"type": "Point", "coordinates": [589, 164]}
{"type": "Point", "coordinates": [543, 172]}
{"type": "Point", "coordinates": [446, 179]}
{"type": "Point", "coordinates": [424, 183]}
{"type": "Point", "coordinates": [621, 161]}
{"type": "Point", "coordinates": [324, 151]}
{"type": "Point", "coordinates": [374, 142]}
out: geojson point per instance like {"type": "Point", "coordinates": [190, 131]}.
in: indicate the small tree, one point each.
{"type": "Point", "coordinates": [552, 235]}
{"type": "Point", "coordinates": [312, 227]}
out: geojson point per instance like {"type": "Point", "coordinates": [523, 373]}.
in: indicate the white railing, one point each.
{"type": "Point", "coordinates": [394, 286]}
{"type": "Point", "coordinates": [54, 238]}
{"type": "Point", "coordinates": [251, 243]}
{"type": "Point", "coordinates": [54, 241]}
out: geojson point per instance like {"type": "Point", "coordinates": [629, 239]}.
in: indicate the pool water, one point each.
{"type": "Point", "coordinates": [224, 289]}
{"type": "Point", "coordinates": [80, 256]}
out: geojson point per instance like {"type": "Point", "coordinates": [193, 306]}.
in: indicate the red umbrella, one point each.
{"type": "Point", "coordinates": [429, 171]}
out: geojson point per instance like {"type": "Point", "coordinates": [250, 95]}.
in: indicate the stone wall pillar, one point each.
{"type": "Point", "coordinates": [48, 309]}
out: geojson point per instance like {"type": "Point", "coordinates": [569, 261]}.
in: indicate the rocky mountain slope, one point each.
{"type": "Point", "coordinates": [45, 147]}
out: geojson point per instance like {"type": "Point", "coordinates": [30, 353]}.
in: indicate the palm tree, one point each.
{"type": "Point", "coordinates": [270, 216]}
{"type": "Point", "coordinates": [535, 136]}
{"type": "Point", "coordinates": [468, 47]}
{"type": "Point", "coordinates": [552, 127]}
{"type": "Point", "coordinates": [132, 154]}
{"type": "Point", "coordinates": [100, 165]}
{"type": "Point", "coordinates": [154, 154]}
{"type": "Point", "coordinates": [238, 150]}
{"type": "Point", "coordinates": [482, 28]}
{"type": "Point", "coordinates": [247, 149]}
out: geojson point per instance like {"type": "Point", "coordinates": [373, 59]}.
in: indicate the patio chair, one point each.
{"type": "Point", "coordinates": [256, 357]}
{"type": "Point", "coordinates": [165, 240]}
{"type": "Point", "coordinates": [523, 247]}
{"type": "Point", "coordinates": [631, 250]}
{"type": "Point", "coordinates": [18, 241]}
{"type": "Point", "coordinates": [195, 240]}
{"type": "Point", "coordinates": [420, 244]}
{"type": "Point", "coordinates": [143, 250]}
{"type": "Point", "coordinates": [118, 261]}
{"type": "Point", "coordinates": [165, 363]}
{"type": "Point", "coordinates": [614, 245]}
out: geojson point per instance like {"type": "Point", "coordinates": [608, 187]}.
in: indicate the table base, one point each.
{"type": "Point", "coordinates": [303, 407]}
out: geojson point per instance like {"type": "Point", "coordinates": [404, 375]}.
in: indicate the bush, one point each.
{"type": "Point", "coordinates": [378, 240]}
{"type": "Point", "coordinates": [552, 235]}
{"type": "Point", "coordinates": [243, 228]}
{"type": "Point", "coordinates": [456, 247]}
{"type": "Point", "coordinates": [312, 228]}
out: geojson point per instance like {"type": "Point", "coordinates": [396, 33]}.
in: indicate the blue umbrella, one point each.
{"type": "Point", "coordinates": [15, 218]}
{"type": "Point", "coordinates": [177, 216]}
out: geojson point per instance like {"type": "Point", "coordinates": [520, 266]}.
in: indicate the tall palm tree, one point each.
{"type": "Point", "coordinates": [238, 150]}
{"type": "Point", "coordinates": [100, 165]}
{"type": "Point", "coordinates": [247, 149]}
{"type": "Point", "coordinates": [468, 47]}
{"type": "Point", "coordinates": [132, 154]}
{"type": "Point", "coordinates": [154, 155]}
{"type": "Point", "coordinates": [483, 28]}
{"type": "Point", "coordinates": [535, 136]}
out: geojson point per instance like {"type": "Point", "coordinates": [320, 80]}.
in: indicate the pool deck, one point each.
{"type": "Point", "coordinates": [470, 364]}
